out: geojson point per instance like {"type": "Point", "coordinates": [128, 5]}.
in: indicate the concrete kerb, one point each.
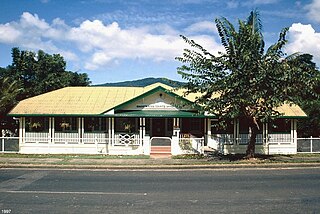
{"type": "Point", "coordinates": [155, 168]}
{"type": "Point", "coordinates": [145, 165]}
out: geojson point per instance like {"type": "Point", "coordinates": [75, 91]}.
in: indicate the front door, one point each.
{"type": "Point", "coordinates": [161, 134]}
{"type": "Point", "coordinates": [158, 127]}
{"type": "Point", "coordinates": [161, 127]}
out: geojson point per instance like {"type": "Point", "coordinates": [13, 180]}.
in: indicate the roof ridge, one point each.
{"type": "Point", "coordinates": [157, 84]}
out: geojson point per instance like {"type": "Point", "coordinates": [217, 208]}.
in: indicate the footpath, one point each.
{"type": "Point", "coordinates": [154, 163]}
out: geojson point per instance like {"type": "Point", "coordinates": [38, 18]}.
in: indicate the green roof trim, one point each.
{"type": "Point", "coordinates": [140, 113]}
{"type": "Point", "coordinates": [55, 115]}
{"type": "Point", "coordinates": [292, 117]}
{"type": "Point", "coordinates": [152, 91]}
{"type": "Point", "coordinates": [155, 114]}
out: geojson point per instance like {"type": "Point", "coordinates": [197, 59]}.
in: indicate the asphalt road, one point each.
{"type": "Point", "coordinates": [193, 191]}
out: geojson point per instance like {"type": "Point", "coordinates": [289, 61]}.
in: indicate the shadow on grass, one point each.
{"type": "Point", "coordinates": [259, 158]}
{"type": "Point", "coordinates": [221, 157]}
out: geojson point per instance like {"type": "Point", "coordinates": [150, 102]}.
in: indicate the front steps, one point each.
{"type": "Point", "coordinates": [160, 152]}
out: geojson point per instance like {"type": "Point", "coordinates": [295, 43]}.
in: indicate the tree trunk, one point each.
{"type": "Point", "coordinates": [252, 141]}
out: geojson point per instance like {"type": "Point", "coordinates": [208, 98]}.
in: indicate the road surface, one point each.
{"type": "Point", "coordinates": [180, 191]}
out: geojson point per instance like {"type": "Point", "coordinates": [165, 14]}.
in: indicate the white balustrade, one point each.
{"type": "Point", "coordinates": [94, 137]}
{"type": "Point", "coordinates": [126, 139]}
{"type": "Point", "coordinates": [37, 137]}
{"type": "Point", "coordinates": [279, 138]}
{"type": "Point", "coordinates": [243, 139]}
{"type": "Point", "coordinates": [191, 145]}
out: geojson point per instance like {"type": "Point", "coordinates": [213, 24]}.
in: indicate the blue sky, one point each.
{"type": "Point", "coordinates": [118, 40]}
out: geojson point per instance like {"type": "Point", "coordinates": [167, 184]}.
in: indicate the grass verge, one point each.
{"type": "Point", "coordinates": [72, 156]}
{"type": "Point", "coordinates": [259, 159]}
{"type": "Point", "coordinates": [176, 160]}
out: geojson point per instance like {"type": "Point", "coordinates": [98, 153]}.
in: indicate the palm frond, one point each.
{"type": "Point", "coordinates": [255, 21]}
{"type": "Point", "coordinates": [226, 31]}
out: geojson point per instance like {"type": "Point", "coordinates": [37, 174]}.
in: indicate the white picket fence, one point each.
{"type": "Point", "coordinates": [308, 145]}
{"type": "Point", "coordinates": [9, 144]}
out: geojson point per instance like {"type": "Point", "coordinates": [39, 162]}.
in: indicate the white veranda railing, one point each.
{"type": "Point", "coordinates": [126, 139]}
{"type": "Point", "coordinates": [192, 144]}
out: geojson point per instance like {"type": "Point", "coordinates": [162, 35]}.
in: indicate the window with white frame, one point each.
{"type": "Point", "coordinates": [223, 133]}
{"type": "Point", "coordinates": [126, 125]}
{"type": "Point", "coordinates": [66, 124]}
{"type": "Point", "coordinates": [244, 130]}
{"type": "Point", "coordinates": [192, 126]}
{"type": "Point", "coordinates": [37, 124]}
{"type": "Point", "coordinates": [95, 124]}
{"type": "Point", "coordinates": [218, 128]}
{"type": "Point", "coordinates": [282, 126]}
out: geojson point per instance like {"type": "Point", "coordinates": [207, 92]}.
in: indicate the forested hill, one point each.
{"type": "Point", "coordinates": [144, 82]}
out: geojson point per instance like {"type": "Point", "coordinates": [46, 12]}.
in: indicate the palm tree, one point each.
{"type": "Point", "coordinates": [8, 92]}
{"type": "Point", "coordinates": [250, 81]}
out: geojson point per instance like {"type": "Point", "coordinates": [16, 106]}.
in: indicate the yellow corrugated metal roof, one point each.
{"type": "Point", "coordinates": [77, 100]}
{"type": "Point", "coordinates": [97, 100]}
{"type": "Point", "coordinates": [291, 110]}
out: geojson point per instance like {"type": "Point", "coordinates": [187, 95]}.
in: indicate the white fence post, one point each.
{"type": "Point", "coordinates": [2, 143]}
{"type": "Point", "coordinates": [9, 144]}
{"type": "Point", "coordinates": [309, 145]}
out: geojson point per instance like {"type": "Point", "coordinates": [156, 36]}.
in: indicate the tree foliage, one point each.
{"type": "Point", "coordinates": [41, 72]}
{"type": "Point", "coordinates": [246, 80]}
{"type": "Point", "coordinates": [8, 91]}
{"type": "Point", "coordinates": [31, 74]}
{"type": "Point", "coordinates": [311, 105]}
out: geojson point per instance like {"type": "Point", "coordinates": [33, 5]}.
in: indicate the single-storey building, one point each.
{"type": "Point", "coordinates": [139, 120]}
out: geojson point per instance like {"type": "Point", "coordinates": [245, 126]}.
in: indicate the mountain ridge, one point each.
{"type": "Point", "coordinates": [144, 82]}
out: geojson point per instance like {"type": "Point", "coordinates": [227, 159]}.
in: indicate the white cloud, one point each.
{"type": "Point", "coordinates": [201, 27]}
{"type": "Point", "coordinates": [8, 34]}
{"type": "Point", "coordinates": [265, 1]}
{"type": "Point", "coordinates": [303, 38]}
{"type": "Point", "coordinates": [313, 10]}
{"type": "Point", "coordinates": [108, 43]}
{"type": "Point", "coordinates": [233, 4]}
{"type": "Point", "coordinates": [34, 33]}
{"type": "Point", "coordinates": [69, 55]}
{"type": "Point", "coordinates": [250, 3]}
{"type": "Point", "coordinates": [28, 20]}
{"type": "Point", "coordinates": [94, 44]}
{"type": "Point", "coordinates": [98, 59]}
